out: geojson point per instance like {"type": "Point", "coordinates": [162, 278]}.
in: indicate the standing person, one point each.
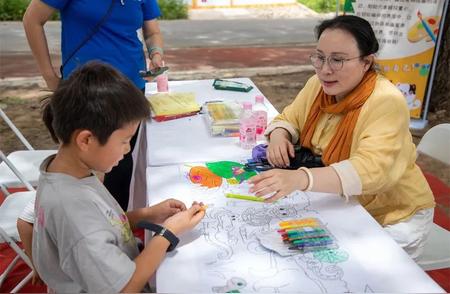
{"type": "Point", "coordinates": [82, 239]}
{"type": "Point", "coordinates": [358, 122]}
{"type": "Point", "coordinates": [104, 30]}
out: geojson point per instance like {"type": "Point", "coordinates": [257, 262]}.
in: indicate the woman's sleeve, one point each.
{"type": "Point", "coordinates": [56, 4]}
{"type": "Point", "coordinates": [294, 115]}
{"type": "Point", "coordinates": [150, 10]}
{"type": "Point", "coordinates": [383, 148]}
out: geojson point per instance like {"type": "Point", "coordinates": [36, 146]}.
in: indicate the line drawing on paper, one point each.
{"type": "Point", "coordinates": [233, 258]}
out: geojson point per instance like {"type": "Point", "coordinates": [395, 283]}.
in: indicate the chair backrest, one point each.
{"type": "Point", "coordinates": [15, 130]}
{"type": "Point", "coordinates": [10, 211]}
{"type": "Point", "coordinates": [16, 171]}
{"type": "Point", "coordinates": [436, 143]}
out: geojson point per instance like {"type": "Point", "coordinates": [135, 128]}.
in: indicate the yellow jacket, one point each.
{"type": "Point", "coordinates": [381, 169]}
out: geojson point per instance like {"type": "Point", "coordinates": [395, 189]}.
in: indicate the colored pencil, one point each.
{"type": "Point", "coordinates": [426, 27]}
{"type": "Point", "coordinates": [244, 197]}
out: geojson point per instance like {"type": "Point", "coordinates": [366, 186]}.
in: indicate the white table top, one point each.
{"type": "Point", "coordinates": [223, 248]}
{"type": "Point", "coordinates": [188, 139]}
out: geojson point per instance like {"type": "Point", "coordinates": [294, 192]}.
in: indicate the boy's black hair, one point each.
{"type": "Point", "coordinates": [96, 97]}
{"type": "Point", "coordinates": [358, 27]}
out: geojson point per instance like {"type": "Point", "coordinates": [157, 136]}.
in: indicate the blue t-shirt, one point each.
{"type": "Point", "coordinates": [116, 42]}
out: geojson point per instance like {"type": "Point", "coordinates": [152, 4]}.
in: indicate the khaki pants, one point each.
{"type": "Point", "coordinates": [412, 234]}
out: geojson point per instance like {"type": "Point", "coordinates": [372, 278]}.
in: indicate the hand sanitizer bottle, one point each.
{"type": "Point", "coordinates": [260, 113]}
{"type": "Point", "coordinates": [247, 129]}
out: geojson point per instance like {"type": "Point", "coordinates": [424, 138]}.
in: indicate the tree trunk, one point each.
{"type": "Point", "coordinates": [440, 93]}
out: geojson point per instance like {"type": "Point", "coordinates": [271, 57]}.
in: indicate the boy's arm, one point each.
{"type": "Point", "coordinates": [157, 213]}
{"type": "Point", "coordinates": [148, 261]}
{"type": "Point", "coordinates": [146, 264]}
{"type": "Point", "coordinates": [26, 235]}
{"type": "Point", "coordinates": [137, 215]}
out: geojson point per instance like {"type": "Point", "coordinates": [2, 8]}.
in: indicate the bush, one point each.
{"type": "Point", "coordinates": [173, 9]}
{"type": "Point", "coordinates": [14, 10]}
{"type": "Point", "coordinates": [322, 6]}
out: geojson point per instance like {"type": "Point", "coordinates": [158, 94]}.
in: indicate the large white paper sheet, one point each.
{"type": "Point", "coordinates": [223, 253]}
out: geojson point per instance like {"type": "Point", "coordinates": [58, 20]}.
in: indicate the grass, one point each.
{"type": "Point", "coordinates": [322, 6]}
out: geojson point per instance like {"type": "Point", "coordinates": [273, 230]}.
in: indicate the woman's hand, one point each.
{"type": "Point", "coordinates": [279, 181]}
{"type": "Point", "coordinates": [160, 212]}
{"type": "Point", "coordinates": [185, 220]}
{"type": "Point", "coordinates": [156, 61]}
{"type": "Point", "coordinates": [280, 148]}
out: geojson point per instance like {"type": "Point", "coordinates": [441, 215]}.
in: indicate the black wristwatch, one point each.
{"type": "Point", "coordinates": [161, 231]}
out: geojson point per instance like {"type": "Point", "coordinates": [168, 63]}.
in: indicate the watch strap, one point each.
{"type": "Point", "coordinates": [161, 231]}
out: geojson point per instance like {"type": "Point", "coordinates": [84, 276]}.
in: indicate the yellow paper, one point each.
{"type": "Point", "coordinates": [173, 103]}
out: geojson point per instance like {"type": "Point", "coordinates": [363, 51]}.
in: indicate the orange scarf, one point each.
{"type": "Point", "coordinates": [339, 147]}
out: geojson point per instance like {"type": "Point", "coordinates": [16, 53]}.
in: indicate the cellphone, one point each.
{"type": "Point", "coordinates": [220, 84]}
{"type": "Point", "coordinates": [153, 73]}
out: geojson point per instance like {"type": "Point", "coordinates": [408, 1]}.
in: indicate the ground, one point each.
{"type": "Point", "coordinates": [23, 107]}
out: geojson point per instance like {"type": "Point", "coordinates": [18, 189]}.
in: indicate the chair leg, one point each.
{"type": "Point", "coordinates": [8, 269]}
{"type": "Point", "coordinates": [22, 283]}
{"type": "Point", "coordinates": [4, 190]}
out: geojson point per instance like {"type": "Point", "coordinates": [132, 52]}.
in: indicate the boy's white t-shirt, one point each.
{"type": "Point", "coordinates": [82, 241]}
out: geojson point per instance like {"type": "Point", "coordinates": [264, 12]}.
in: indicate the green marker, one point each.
{"type": "Point", "coordinates": [244, 197]}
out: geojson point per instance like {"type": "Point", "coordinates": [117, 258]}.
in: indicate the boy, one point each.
{"type": "Point", "coordinates": [82, 240]}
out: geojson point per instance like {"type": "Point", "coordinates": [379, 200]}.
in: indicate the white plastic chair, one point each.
{"type": "Point", "coordinates": [436, 144]}
{"type": "Point", "coordinates": [27, 162]}
{"type": "Point", "coordinates": [10, 210]}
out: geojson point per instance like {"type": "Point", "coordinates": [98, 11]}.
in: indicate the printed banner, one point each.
{"type": "Point", "coordinates": [407, 31]}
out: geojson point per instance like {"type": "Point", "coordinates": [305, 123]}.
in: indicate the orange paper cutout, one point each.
{"type": "Point", "coordinates": [203, 176]}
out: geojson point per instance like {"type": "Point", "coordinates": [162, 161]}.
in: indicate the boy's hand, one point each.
{"type": "Point", "coordinates": [185, 220]}
{"type": "Point", "coordinates": [161, 211]}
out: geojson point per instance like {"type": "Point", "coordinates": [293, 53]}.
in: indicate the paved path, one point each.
{"type": "Point", "coordinates": [191, 45]}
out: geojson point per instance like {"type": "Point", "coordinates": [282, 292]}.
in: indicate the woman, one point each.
{"type": "Point", "coordinates": [103, 30]}
{"type": "Point", "coordinates": [359, 123]}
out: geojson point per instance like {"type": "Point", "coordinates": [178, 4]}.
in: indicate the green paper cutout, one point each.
{"type": "Point", "coordinates": [225, 170]}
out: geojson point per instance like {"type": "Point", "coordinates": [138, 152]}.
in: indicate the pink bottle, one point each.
{"type": "Point", "coordinates": [260, 113]}
{"type": "Point", "coordinates": [247, 129]}
{"type": "Point", "coordinates": [162, 83]}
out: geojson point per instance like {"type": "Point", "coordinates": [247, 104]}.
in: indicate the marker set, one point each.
{"type": "Point", "coordinates": [305, 235]}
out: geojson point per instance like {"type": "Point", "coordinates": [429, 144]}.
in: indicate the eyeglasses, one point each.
{"type": "Point", "coordinates": [334, 62]}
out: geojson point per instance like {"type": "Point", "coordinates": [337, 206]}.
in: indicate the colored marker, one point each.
{"type": "Point", "coordinates": [244, 197]}
{"type": "Point", "coordinates": [297, 226]}
{"type": "Point", "coordinates": [299, 221]}
{"type": "Point", "coordinates": [315, 232]}
{"type": "Point", "coordinates": [426, 27]}
{"type": "Point", "coordinates": [323, 241]}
